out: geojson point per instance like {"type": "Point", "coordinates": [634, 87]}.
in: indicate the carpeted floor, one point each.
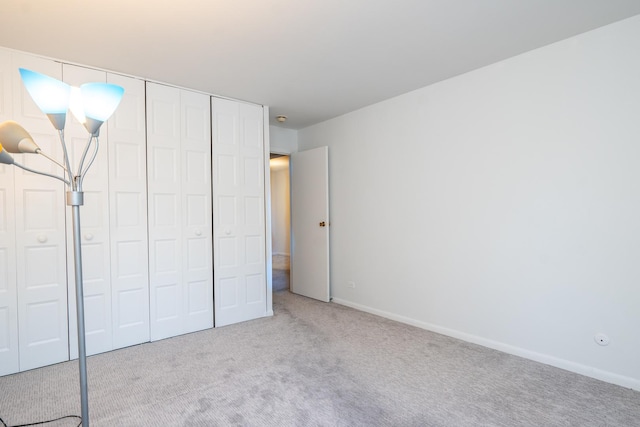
{"type": "Point", "coordinates": [316, 364]}
{"type": "Point", "coordinates": [280, 273]}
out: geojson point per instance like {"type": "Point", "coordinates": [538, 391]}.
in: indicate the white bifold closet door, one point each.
{"type": "Point", "coordinates": [128, 215]}
{"type": "Point", "coordinates": [180, 230]}
{"type": "Point", "coordinates": [9, 355]}
{"type": "Point", "coordinates": [239, 212]}
{"type": "Point", "coordinates": [41, 260]}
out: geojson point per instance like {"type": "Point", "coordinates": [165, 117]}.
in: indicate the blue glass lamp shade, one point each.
{"type": "Point", "coordinates": [50, 95]}
{"type": "Point", "coordinates": [99, 101]}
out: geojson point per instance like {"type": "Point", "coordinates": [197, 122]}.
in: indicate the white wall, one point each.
{"type": "Point", "coordinates": [501, 206]}
{"type": "Point", "coordinates": [283, 141]}
{"type": "Point", "coordinates": [280, 211]}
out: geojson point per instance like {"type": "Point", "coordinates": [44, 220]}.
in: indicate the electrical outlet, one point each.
{"type": "Point", "coordinates": [351, 284]}
{"type": "Point", "coordinates": [601, 339]}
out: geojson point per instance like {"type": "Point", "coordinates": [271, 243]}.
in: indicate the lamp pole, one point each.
{"type": "Point", "coordinates": [75, 199]}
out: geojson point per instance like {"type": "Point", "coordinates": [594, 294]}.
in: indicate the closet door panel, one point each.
{"type": "Point", "coordinates": [9, 356]}
{"type": "Point", "coordinates": [196, 214]}
{"type": "Point", "coordinates": [238, 200]}
{"type": "Point", "coordinates": [179, 139]}
{"type": "Point", "coordinates": [252, 144]}
{"type": "Point", "coordinates": [165, 210]}
{"type": "Point", "coordinates": [94, 222]}
{"type": "Point", "coordinates": [40, 232]}
{"type": "Point", "coordinates": [128, 215]}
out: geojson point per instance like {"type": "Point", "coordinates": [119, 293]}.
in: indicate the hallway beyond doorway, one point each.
{"type": "Point", "coordinates": [281, 273]}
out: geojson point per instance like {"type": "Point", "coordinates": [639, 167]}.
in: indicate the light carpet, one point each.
{"type": "Point", "coordinates": [316, 364]}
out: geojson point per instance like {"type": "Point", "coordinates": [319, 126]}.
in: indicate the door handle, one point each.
{"type": "Point", "coordinates": [322, 224]}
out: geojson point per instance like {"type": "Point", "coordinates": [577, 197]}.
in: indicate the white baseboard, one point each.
{"type": "Point", "coordinates": [567, 365]}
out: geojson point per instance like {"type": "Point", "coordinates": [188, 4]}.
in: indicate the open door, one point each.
{"type": "Point", "coordinates": [310, 223]}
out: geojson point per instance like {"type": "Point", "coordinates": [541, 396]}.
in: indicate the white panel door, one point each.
{"type": "Point", "coordinates": [94, 222]}
{"type": "Point", "coordinates": [310, 223]}
{"type": "Point", "coordinates": [165, 211]}
{"type": "Point", "coordinates": [196, 211]}
{"type": "Point", "coordinates": [128, 215]}
{"type": "Point", "coordinates": [40, 232]}
{"type": "Point", "coordinates": [239, 212]}
{"type": "Point", "coordinates": [9, 355]}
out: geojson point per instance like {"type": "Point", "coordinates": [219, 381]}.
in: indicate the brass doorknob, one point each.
{"type": "Point", "coordinates": [322, 224]}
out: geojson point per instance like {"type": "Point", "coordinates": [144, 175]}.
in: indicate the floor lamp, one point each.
{"type": "Point", "coordinates": [92, 104]}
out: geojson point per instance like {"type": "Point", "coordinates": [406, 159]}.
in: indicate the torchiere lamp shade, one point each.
{"type": "Point", "coordinates": [50, 95]}
{"type": "Point", "coordinates": [15, 139]}
{"type": "Point", "coordinates": [99, 101]}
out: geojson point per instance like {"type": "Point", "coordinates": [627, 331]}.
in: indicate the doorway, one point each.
{"type": "Point", "coordinates": [280, 221]}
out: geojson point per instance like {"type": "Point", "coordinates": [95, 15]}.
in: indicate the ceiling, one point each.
{"type": "Point", "coordinates": [309, 60]}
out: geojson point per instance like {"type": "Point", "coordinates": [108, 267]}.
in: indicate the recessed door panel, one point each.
{"type": "Point", "coordinates": [127, 209]}
{"type": "Point", "coordinates": [198, 294]}
{"type": "Point", "coordinates": [165, 165]}
{"type": "Point", "coordinates": [165, 209]}
{"type": "Point", "coordinates": [253, 211]}
{"type": "Point", "coordinates": [254, 285]}
{"type": "Point", "coordinates": [226, 212]}
{"type": "Point", "coordinates": [36, 219]}
{"type": "Point", "coordinates": [164, 122]}
{"type": "Point", "coordinates": [40, 331]}
{"type": "Point", "coordinates": [128, 305]}
{"type": "Point", "coordinates": [129, 256]}
{"type": "Point", "coordinates": [198, 206]}
{"type": "Point", "coordinates": [252, 176]}
{"type": "Point", "coordinates": [251, 130]}
{"type": "Point", "coordinates": [254, 250]}
{"type": "Point", "coordinates": [225, 122]}
{"type": "Point", "coordinates": [195, 118]}
{"type": "Point", "coordinates": [197, 170]}
{"type": "Point", "coordinates": [41, 261]}
{"type": "Point", "coordinates": [228, 292]}
{"type": "Point", "coordinates": [197, 252]}
{"type": "Point", "coordinates": [167, 257]}
{"type": "Point", "coordinates": [166, 296]}
{"type": "Point", "coordinates": [128, 158]}
{"type": "Point", "coordinates": [227, 171]}
{"type": "Point", "coordinates": [227, 252]}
